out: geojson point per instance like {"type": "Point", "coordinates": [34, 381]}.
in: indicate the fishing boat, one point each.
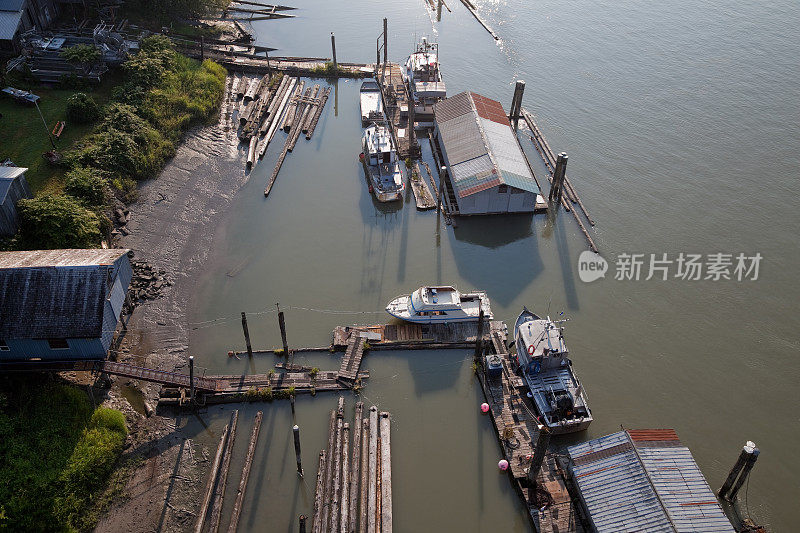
{"type": "Point", "coordinates": [371, 103]}
{"type": "Point", "coordinates": [424, 81]}
{"type": "Point", "coordinates": [381, 164]}
{"type": "Point", "coordinates": [437, 305]}
{"type": "Point", "coordinates": [542, 357]}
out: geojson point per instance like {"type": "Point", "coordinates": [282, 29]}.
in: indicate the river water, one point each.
{"type": "Point", "coordinates": [681, 122]}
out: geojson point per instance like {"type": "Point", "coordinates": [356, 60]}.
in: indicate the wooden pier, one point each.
{"type": "Point", "coordinates": [351, 361]}
{"type": "Point", "coordinates": [354, 483]}
{"type": "Point", "coordinates": [408, 336]}
{"type": "Point", "coordinates": [547, 499]}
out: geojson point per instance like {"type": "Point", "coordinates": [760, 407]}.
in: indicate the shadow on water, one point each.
{"type": "Point", "coordinates": [515, 254]}
{"type": "Point", "coordinates": [434, 371]}
{"type": "Point", "coordinates": [260, 463]}
{"type": "Point", "coordinates": [564, 260]}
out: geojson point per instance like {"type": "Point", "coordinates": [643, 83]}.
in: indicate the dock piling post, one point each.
{"type": "Point", "coordinates": [296, 431]}
{"type": "Point", "coordinates": [539, 451]}
{"type": "Point", "coordinates": [516, 103]}
{"type": "Point", "coordinates": [333, 50]}
{"type": "Point", "coordinates": [247, 335]}
{"type": "Point", "coordinates": [385, 39]}
{"type": "Point", "coordinates": [302, 523]}
{"type": "Point", "coordinates": [479, 337]}
{"type": "Point", "coordinates": [439, 11]}
{"type": "Point", "coordinates": [191, 379]}
{"type": "Point", "coordinates": [557, 187]}
{"type": "Point", "coordinates": [741, 468]}
{"type": "Point", "coordinates": [282, 324]}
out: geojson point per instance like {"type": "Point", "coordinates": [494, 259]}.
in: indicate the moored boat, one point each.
{"type": "Point", "coordinates": [381, 164]}
{"type": "Point", "coordinates": [440, 304]}
{"type": "Point", "coordinates": [371, 103]}
{"type": "Point", "coordinates": [557, 395]}
{"type": "Point", "coordinates": [424, 80]}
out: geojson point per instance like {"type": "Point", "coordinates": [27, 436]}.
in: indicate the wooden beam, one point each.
{"type": "Point", "coordinates": [219, 495]}
{"type": "Point", "coordinates": [372, 497]}
{"type": "Point", "coordinates": [355, 470]}
{"type": "Point", "coordinates": [212, 477]}
{"type": "Point", "coordinates": [386, 474]}
{"type": "Point", "coordinates": [248, 463]}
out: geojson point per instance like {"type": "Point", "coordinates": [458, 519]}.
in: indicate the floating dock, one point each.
{"type": "Point", "coordinates": [395, 105]}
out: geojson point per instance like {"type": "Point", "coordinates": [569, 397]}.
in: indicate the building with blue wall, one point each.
{"type": "Point", "coordinates": [61, 305]}
{"type": "Point", "coordinates": [13, 188]}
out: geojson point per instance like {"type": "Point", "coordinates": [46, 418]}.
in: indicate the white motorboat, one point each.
{"type": "Point", "coordinates": [435, 305]}
{"type": "Point", "coordinates": [383, 168]}
{"type": "Point", "coordinates": [557, 395]}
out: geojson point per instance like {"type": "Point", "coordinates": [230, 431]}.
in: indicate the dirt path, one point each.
{"type": "Point", "coordinates": [172, 228]}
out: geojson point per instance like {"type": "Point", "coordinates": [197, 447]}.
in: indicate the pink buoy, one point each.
{"type": "Point", "coordinates": [503, 465]}
{"type": "Point", "coordinates": [484, 407]}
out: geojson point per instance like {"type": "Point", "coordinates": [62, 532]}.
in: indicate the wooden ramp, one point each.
{"type": "Point", "coordinates": [406, 336]}
{"type": "Point", "coordinates": [395, 103]}
{"type": "Point", "coordinates": [422, 194]}
{"type": "Point", "coordinates": [174, 379]}
{"type": "Point", "coordinates": [351, 362]}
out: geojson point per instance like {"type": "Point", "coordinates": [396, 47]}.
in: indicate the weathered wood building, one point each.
{"type": "Point", "coordinates": [487, 169]}
{"type": "Point", "coordinates": [61, 305]}
{"type": "Point", "coordinates": [13, 188]}
{"type": "Point", "coordinates": [18, 16]}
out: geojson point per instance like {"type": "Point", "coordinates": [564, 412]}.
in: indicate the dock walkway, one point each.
{"type": "Point", "coordinates": [395, 105]}
{"type": "Point", "coordinates": [422, 194]}
{"type": "Point", "coordinates": [351, 362]}
{"type": "Point", "coordinates": [410, 336]}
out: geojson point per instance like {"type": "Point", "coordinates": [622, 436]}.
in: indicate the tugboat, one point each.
{"type": "Point", "coordinates": [438, 305]}
{"type": "Point", "coordinates": [424, 81]}
{"type": "Point", "coordinates": [558, 396]}
{"type": "Point", "coordinates": [381, 164]}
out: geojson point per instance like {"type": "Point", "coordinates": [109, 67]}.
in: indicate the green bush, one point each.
{"type": "Point", "coordinates": [88, 185]}
{"type": "Point", "coordinates": [81, 53]}
{"type": "Point", "coordinates": [105, 418]}
{"type": "Point", "coordinates": [82, 109]}
{"type": "Point", "coordinates": [53, 221]}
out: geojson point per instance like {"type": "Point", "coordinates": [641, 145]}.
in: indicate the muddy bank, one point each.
{"type": "Point", "coordinates": [171, 228]}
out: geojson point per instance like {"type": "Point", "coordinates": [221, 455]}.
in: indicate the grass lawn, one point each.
{"type": "Point", "coordinates": [23, 138]}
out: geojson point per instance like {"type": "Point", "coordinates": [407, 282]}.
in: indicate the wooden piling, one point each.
{"type": "Point", "coordinates": [248, 464]}
{"type": "Point", "coordinates": [333, 51]}
{"type": "Point", "coordinates": [386, 474]}
{"type": "Point", "coordinates": [247, 335]}
{"type": "Point", "coordinates": [539, 451]}
{"type": "Point", "coordinates": [191, 380]}
{"type": "Point", "coordinates": [355, 469]}
{"type": "Point", "coordinates": [282, 326]}
{"type": "Point", "coordinates": [363, 483]}
{"type": "Point", "coordinates": [344, 512]}
{"type": "Point", "coordinates": [316, 523]}
{"type": "Point", "coordinates": [296, 432]}
{"type": "Point", "coordinates": [212, 478]}
{"type": "Point", "coordinates": [372, 497]}
{"type": "Point", "coordinates": [556, 187]}
{"type": "Point", "coordinates": [439, 11]}
{"type": "Point", "coordinates": [479, 338]}
{"type": "Point", "coordinates": [741, 468]}
{"type": "Point", "coordinates": [219, 495]}
{"type": "Point", "coordinates": [302, 519]}
{"type": "Point", "coordinates": [516, 103]}
{"type": "Point", "coordinates": [385, 41]}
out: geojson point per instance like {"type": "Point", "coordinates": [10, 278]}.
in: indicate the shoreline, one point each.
{"type": "Point", "coordinates": [169, 226]}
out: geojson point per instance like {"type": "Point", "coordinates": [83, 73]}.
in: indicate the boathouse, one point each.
{"type": "Point", "coordinates": [18, 16]}
{"type": "Point", "coordinates": [644, 480]}
{"type": "Point", "coordinates": [13, 188]}
{"type": "Point", "coordinates": [61, 305]}
{"type": "Point", "coordinates": [487, 170]}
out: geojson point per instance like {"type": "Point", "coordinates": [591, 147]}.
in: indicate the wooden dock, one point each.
{"type": "Point", "coordinates": [395, 105]}
{"type": "Point", "coordinates": [408, 336]}
{"type": "Point", "coordinates": [548, 501]}
{"type": "Point", "coordinates": [354, 480]}
{"type": "Point", "coordinates": [351, 361]}
{"type": "Point", "coordinates": [422, 194]}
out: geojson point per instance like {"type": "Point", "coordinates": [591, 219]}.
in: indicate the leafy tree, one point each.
{"type": "Point", "coordinates": [52, 221]}
{"type": "Point", "coordinates": [82, 108]}
{"type": "Point", "coordinates": [88, 185]}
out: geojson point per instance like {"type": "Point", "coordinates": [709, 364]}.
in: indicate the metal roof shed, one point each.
{"type": "Point", "coordinates": [13, 188]}
{"type": "Point", "coordinates": [486, 166]}
{"type": "Point", "coordinates": [644, 480]}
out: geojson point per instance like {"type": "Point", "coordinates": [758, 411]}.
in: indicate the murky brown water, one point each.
{"type": "Point", "coordinates": [681, 123]}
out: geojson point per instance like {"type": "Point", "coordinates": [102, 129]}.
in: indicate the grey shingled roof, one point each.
{"type": "Point", "coordinates": [54, 293]}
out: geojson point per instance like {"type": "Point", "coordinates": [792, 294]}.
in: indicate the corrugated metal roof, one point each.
{"type": "Point", "coordinates": [644, 481]}
{"type": "Point", "coordinates": [474, 130]}
{"type": "Point", "coordinates": [9, 22]}
{"type": "Point", "coordinates": [9, 173]}
{"type": "Point", "coordinates": [54, 293]}
{"type": "Point", "coordinates": [11, 5]}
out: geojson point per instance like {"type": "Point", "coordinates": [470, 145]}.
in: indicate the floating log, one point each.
{"type": "Point", "coordinates": [275, 123]}
{"type": "Point", "coordinates": [326, 504]}
{"type": "Point", "coordinates": [252, 86]}
{"type": "Point", "coordinates": [212, 478]}
{"type": "Point", "coordinates": [275, 7]}
{"type": "Point", "coordinates": [288, 119]}
{"type": "Point", "coordinates": [276, 100]}
{"type": "Point", "coordinates": [344, 513]}
{"type": "Point", "coordinates": [372, 476]}
{"type": "Point", "coordinates": [355, 468]}
{"type": "Point", "coordinates": [364, 483]}
{"type": "Point", "coordinates": [248, 463]}
{"type": "Point", "coordinates": [251, 151]}
{"type": "Point", "coordinates": [222, 483]}
{"type": "Point", "coordinates": [318, 113]}
{"type": "Point", "coordinates": [312, 108]}
{"type": "Point", "coordinates": [386, 474]}
{"type": "Point", "coordinates": [302, 120]}
{"type": "Point", "coordinates": [316, 522]}
{"type": "Point", "coordinates": [337, 471]}
{"type": "Point", "coordinates": [472, 9]}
